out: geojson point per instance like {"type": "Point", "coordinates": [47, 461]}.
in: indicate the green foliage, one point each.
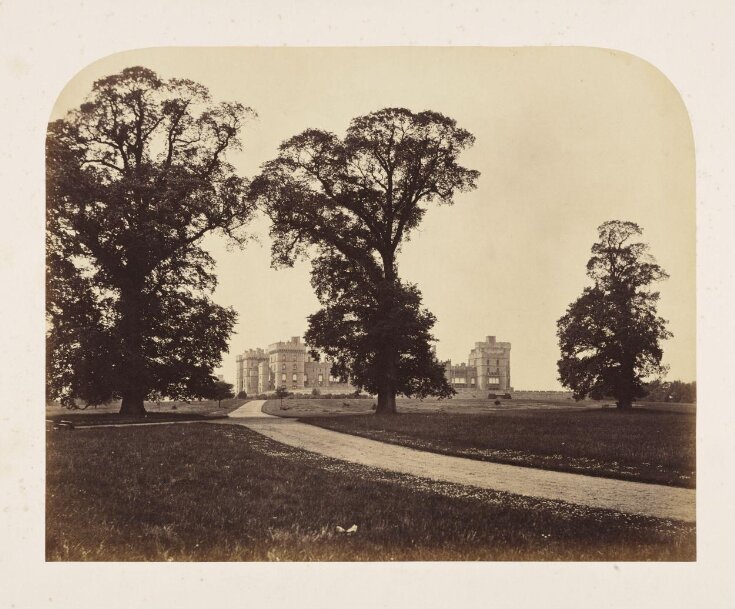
{"type": "Point", "coordinates": [610, 336]}
{"type": "Point", "coordinates": [136, 177]}
{"type": "Point", "coordinates": [242, 395]}
{"type": "Point", "coordinates": [350, 203]}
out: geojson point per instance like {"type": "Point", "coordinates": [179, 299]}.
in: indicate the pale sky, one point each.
{"type": "Point", "coordinates": [567, 138]}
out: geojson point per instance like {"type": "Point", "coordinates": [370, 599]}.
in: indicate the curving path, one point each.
{"type": "Point", "coordinates": [620, 495]}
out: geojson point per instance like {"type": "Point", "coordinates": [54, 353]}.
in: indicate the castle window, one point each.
{"type": "Point", "coordinates": [283, 377]}
{"type": "Point", "coordinates": [293, 377]}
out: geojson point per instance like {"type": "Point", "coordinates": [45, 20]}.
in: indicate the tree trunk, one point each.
{"type": "Point", "coordinates": [388, 353]}
{"type": "Point", "coordinates": [386, 400]}
{"type": "Point", "coordinates": [387, 382]}
{"type": "Point", "coordinates": [133, 405]}
{"type": "Point", "coordinates": [626, 383]}
{"type": "Point", "coordinates": [133, 373]}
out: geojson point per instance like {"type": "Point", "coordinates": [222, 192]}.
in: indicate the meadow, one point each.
{"type": "Point", "coordinates": [157, 412]}
{"type": "Point", "coordinates": [644, 444]}
{"type": "Point", "coordinates": [210, 492]}
{"type": "Point", "coordinates": [654, 442]}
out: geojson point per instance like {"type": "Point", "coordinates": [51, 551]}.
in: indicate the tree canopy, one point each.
{"type": "Point", "coordinates": [610, 337]}
{"type": "Point", "coordinates": [222, 390]}
{"type": "Point", "coordinates": [351, 203]}
{"type": "Point", "coordinates": [136, 177]}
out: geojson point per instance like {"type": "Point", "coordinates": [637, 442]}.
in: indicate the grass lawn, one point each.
{"type": "Point", "coordinates": [156, 412]}
{"type": "Point", "coordinates": [298, 407]}
{"type": "Point", "coordinates": [313, 407]}
{"type": "Point", "coordinates": [643, 444]}
{"type": "Point", "coordinates": [221, 492]}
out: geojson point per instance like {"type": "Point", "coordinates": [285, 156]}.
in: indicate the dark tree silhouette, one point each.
{"type": "Point", "coordinates": [351, 202]}
{"type": "Point", "coordinates": [280, 393]}
{"type": "Point", "coordinates": [136, 177]}
{"type": "Point", "coordinates": [222, 391]}
{"type": "Point", "coordinates": [358, 319]}
{"type": "Point", "coordinates": [610, 336]}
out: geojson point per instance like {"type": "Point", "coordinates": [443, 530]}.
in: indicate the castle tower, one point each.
{"type": "Point", "coordinates": [264, 377]}
{"type": "Point", "coordinates": [247, 370]}
{"type": "Point", "coordinates": [491, 360]}
{"type": "Point", "coordinates": [286, 361]}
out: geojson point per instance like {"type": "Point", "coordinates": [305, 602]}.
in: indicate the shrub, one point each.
{"type": "Point", "coordinates": [497, 402]}
{"type": "Point", "coordinates": [315, 392]}
{"type": "Point", "coordinates": [374, 406]}
{"type": "Point", "coordinates": [491, 396]}
{"type": "Point", "coordinates": [242, 395]}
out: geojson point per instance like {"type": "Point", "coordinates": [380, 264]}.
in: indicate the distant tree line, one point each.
{"type": "Point", "coordinates": [671, 391]}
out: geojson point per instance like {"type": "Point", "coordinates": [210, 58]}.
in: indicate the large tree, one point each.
{"type": "Point", "coordinates": [136, 177]}
{"type": "Point", "coordinates": [351, 203]}
{"type": "Point", "coordinates": [359, 319]}
{"type": "Point", "coordinates": [610, 337]}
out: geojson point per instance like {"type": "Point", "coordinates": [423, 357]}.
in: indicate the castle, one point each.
{"type": "Point", "coordinates": [488, 367]}
{"type": "Point", "coordinates": [284, 364]}
{"type": "Point", "coordinates": [288, 364]}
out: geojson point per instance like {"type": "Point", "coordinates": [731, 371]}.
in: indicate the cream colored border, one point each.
{"type": "Point", "coordinates": [45, 43]}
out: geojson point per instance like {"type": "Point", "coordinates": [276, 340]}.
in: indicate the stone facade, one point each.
{"type": "Point", "coordinates": [487, 367]}
{"type": "Point", "coordinates": [284, 364]}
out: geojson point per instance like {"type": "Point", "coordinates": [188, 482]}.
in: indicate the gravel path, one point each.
{"type": "Point", "coordinates": [620, 495]}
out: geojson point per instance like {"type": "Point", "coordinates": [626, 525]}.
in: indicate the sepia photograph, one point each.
{"type": "Point", "coordinates": [345, 305]}
{"type": "Point", "coordinates": [370, 304]}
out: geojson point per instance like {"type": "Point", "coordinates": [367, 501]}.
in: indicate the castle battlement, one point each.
{"type": "Point", "coordinates": [283, 364]}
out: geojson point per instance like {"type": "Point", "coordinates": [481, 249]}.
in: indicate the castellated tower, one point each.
{"type": "Point", "coordinates": [284, 364]}
{"type": "Point", "coordinates": [488, 367]}
{"type": "Point", "coordinates": [264, 377]}
{"type": "Point", "coordinates": [286, 361]}
{"type": "Point", "coordinates": [247, 370]}
{"type": "Point", "coordinates": [491, 360]}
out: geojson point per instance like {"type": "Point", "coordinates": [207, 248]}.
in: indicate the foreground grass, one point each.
{"type": "Point", "coordinates": [643, 445]}
{"type": "Point", "coordinates": [220, 492]}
